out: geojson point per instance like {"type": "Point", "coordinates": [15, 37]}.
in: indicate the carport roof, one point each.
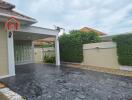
{"type": "Point", "coordinates": [34, 33]}
{"type": "Point", "coordinates": [38, 30]}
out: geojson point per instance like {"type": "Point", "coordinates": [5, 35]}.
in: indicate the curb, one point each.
{"type": "Point", "coordinates": [8, 94]}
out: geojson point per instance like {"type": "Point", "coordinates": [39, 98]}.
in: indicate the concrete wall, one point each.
{"type": "Point", "coordinates": [3, 51]}
{"type": "Point", "coordinates": [39, 53]}
{"type": "Point", "coordinates": [101, 55]}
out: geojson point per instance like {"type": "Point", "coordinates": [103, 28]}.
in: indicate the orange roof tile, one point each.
{"type": "Point", "coordinates": [87, 29]}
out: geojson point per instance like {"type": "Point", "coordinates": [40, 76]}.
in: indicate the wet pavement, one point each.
{"type": "Point", "coordinates": [48, 82]}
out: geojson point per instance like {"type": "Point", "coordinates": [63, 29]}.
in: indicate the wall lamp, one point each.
{"type": "Point", "coordinates": [10, 34]}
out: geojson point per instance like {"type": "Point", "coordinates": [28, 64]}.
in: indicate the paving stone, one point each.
{"type": "Point", "coordinates": [81, 96]}
{"type": "Point", "coordinates": [77, 98]}
{"type": "Point", "coordinates": [122, 84]}
{"type": "Point", "coordinates": [47, 82]}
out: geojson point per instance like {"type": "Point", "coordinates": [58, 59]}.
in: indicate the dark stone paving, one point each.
{"type": "Point", "coordinates": [47, 82]}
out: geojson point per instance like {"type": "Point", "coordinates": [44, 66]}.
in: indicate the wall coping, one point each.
{"type": "Point", "coordinates": [101, 45]}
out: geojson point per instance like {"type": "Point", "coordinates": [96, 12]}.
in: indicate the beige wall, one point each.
{"type": "Point", "coordinates": [3, 51]}
{"type": "Point", "coordinates": [39, 53]}
{"type": "Point", "coordinates": [101, 55]}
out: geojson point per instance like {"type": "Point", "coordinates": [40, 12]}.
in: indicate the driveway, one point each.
{"type": "Point", "coordinates": [48, 82]}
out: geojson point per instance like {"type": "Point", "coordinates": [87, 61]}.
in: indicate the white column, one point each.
{"type": "Point", "coordinates": [57, 49]}
{"type": "Point", "coordinates": [11, 60]}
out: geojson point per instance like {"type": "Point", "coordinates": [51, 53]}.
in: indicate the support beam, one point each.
{"type": "Point", "coordinates": [57, 49]}
{"type": "Point", "coordinates": [38, 30]}
{"type": "Point", "coordinates": [11, 61]}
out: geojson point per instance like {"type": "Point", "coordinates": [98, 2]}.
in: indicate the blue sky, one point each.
{"type": "Point", "coordinates": [109, 16]}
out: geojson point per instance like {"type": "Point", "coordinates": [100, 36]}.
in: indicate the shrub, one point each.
{"type": "Point", "coordinates": [71, 45]}
{"type": "Point", "coordinates": [49, 59]}
{"type": "Point", "coordinates": [124, 49]}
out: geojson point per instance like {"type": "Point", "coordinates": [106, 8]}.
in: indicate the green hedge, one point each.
{"type": "Point", "coordinates": [124, 49]}
{"type": "Point", "coordinates": [71, 45]}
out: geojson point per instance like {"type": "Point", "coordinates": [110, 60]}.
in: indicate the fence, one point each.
{"type": "Point", "coordinates": [102, 54]}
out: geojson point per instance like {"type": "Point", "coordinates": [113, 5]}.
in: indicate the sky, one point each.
{"type": "Point", "coordinates": [108, 16]}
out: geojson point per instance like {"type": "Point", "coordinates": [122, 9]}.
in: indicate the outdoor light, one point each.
{"type": "Point", "coordinates": [10, 34]}
{"type": "Point", "coordinates": [58, 28]}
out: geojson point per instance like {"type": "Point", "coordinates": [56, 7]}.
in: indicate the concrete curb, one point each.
{"type": "Point", "coordinates": [7, 94]}
{"type": "Point", "coordinates": [101, 69]}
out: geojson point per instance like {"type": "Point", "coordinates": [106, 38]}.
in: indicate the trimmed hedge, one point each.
{"type": "Point", "coordinates": [71, 45]}
{"type": "Point", "coordinates": [124, 49]}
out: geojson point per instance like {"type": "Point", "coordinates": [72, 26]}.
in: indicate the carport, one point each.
{"type": "Point", "coordinates": [22, 49]}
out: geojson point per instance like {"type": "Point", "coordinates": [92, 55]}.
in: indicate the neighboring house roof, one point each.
{"type": "Point", "coordinates": [109, 37]}
{"type": "Point", "coordinates": [43, 41]}
{"type": "Point", "coordinates": [6, 9]}
{"type": "Point", "coordinates": [87, 29]}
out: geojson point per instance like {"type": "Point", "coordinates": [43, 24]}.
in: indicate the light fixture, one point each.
{"type": "Point", "coordinates": [10, 34]}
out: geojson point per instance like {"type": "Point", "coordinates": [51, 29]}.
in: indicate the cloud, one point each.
{"type": "Point", "coordinates": [110, 16]}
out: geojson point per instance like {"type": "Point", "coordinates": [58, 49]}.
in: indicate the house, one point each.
{"type": "Point", "coordinates": [87, 29]}
{"type": "Point", "coordinates": [16, 47]}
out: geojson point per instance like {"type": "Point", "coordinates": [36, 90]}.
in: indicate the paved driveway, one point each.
{"type": "Point", "coordinates": [47, 82]}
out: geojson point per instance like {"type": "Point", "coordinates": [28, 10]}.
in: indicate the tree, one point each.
{"type": "Point", "coordinates": [71, 45]}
